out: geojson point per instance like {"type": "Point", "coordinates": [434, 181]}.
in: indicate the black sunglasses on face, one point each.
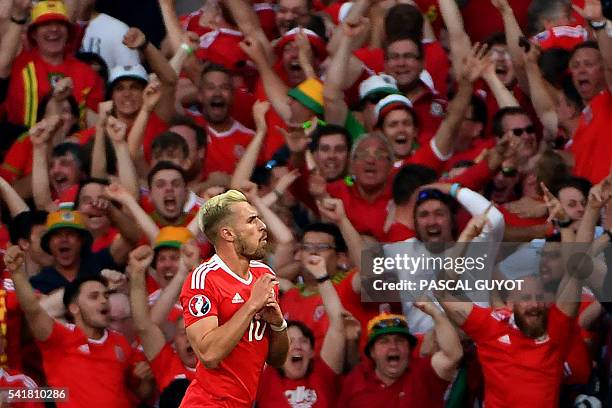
{"type": "Point", "coordinates": [519, 131]}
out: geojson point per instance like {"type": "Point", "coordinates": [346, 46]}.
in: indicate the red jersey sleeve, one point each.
{"type": "Point", "coordinates": [18, 160]}
{"type": "Point", "coordinates": [199, 298]}
{"type": "Point", "coordinates": [425, 156]}
{"type": "Point", "coordinates": [478, 324]}
{"type": "Point", "coordinates": [59, 334]}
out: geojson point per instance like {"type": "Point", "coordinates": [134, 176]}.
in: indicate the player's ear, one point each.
{"type": "Point", "coordinates": [227, 234]}
{"type": "Point", "coordinates": [73, 309]}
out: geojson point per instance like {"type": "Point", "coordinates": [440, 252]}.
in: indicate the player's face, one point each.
{"type": "Point", "coordinates": [403, 62]}
{"type": "Point", "coordinates": [92, 305]}
{"type": "Point", "coordinates": [586, 67]}
{"type": "Point", "coordinates": [433, 222]}
{"type": "Point", "coordinates": [573, 202]}
{"type": "Point", "coordinates": [331, 156]}
{"type": "Point", "coordinates": [371, 164]}
{"type": "Point", "coordinates": [96, 220]}
{"type": "Point", "coordinates": [522, 125]}
{"type": "Point", "coordinates": [503, 64]}
{"type": "Point", "coordinates": [182, 346]}
{"type": "Point", "coordinates": [391, 354]}
{"type": "Point", "coordinates": [127, 97]}
{"type": "Point", "coordinates": [35, 251]}
{"type": "Point", "coordinates": [399, 128]}
{"type": "Point", "coordinates": [167, 263]}
{"type": "Point", "coordinates": [168, 193]}
{"type": "Point", "coordinates": [51, 37]}
{"type": "Point", "coordinates": [299, 355]}
{"type": "Point", "coordinates": [322, 244]}
{"type": "Point", "coordinates": [530, 308]}
{"type": "Point", "coordinates": [65, 246]}
{"type": "Point", "coordinates": [250, 231]}
{"type": "Point", "coordinates": [216, 97]}
{"type": "Point", "coordinates": [291, 65]}
{"type": "Point", "coordinates": [290, 14]}
{"type": "Point", "coordinates": [63, 172]}
{"type": "Point", "coordinates": [120, 315]}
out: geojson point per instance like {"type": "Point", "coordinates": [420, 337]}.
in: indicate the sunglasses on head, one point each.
{"type": "Point", "coordinates": [430, 194]}
{"type": "Point", "coordinates": [392, 322]}
{"type": "Point", "coordinates": [519, 131]}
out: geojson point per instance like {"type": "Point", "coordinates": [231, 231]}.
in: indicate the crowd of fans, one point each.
{"type": "Point", "coordinates": [346, 125]}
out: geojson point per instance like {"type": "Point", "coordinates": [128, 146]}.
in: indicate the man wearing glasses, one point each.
{"type": "Point", "coordinates": [403, 371]}
{"type": "Point", "coordinates": [517, 121]}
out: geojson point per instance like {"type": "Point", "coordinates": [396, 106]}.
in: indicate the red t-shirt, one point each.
{"type": "Point", "coordinates": [319, 389]}
{"type": "Point", "coordinates": [32, 78]}
{"type": "Point", "coordinates": [430, 109]}
{"type": "Point", "coordinates": [471, 154]}
{"type": "Point", "coordinates": [167, 367]}
{"type": "Point", "coordinates": [518, 370]}
{"type": "Point", "coordinates": [13, 379]}
{"type": "Point", "coordinates": [592, 139]}
{"type": "Point", "coordinates": [92, 370]}
{"type": "Point", "coordinates": [213, 289]}
{"type": "Point", "coordinates": [18, 160]}
{"type": "Point", "coordinates": [420, 386]}
{"type": "Point", "coordinates": [399, 232]}
{"type": "Point", "coordinates": [11, 324]}
{"type": "Point", "coordinates": [225, 149]}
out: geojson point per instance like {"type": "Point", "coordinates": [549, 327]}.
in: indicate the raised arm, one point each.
{"type": "Point", "coordinates": [248, 161]}
{"type": "Point", "coordinates": [458, 39]}
{"type": "Point", "coordinates": [40, 136]}
{"type": "Point", "coordinates": [248, 23]}
{"type": "Point", "coordinates": [171, 23]}
{"type": "Point", "coordinates": [275, 88]}
{"type": "Point", "coordinates": [98, 151]}
{"type": "Point", "coordinates": [593, 12]}
{"type": "Point", "coordinates": [151, 336]}
{"type": "Point", "coordinates": [165, 109]}
{"type": "Point", "coordinates": [333, 348]}
{"type": "Point", "coordinates": [116, 131]}
{"type": "Point", "coordinates": [13, 201]}
{"type": "Point", "coordinates": [41, 324]}
{"type": "Point", "coordinates": [503, 96]}
{"type": "Point", "coordinates": [541, 93]}
{"type": "Point", "coordinates": [135, 138]}
{"type": "Point", "coordinates": [10, 43]}
{"type": "Point", "coordinates": [446, 359]}
{"type": "Point", "coordinates": [599, 197]}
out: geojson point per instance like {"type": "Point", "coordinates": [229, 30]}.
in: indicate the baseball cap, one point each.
{"type": "Point", "coordinates": [388, 324]}
{"type": "Point", "coordinates": [65, 220]}
{"type": "Point", "coordinates": [172, 237]}
{"type": "Point", "coordinates": [128, 71]}
{"type": "Point", "coordinates": [391, 103]}
{"type": "Point", "coordinates": [318, 45]}
{"type": "Point", "coordinates": [377, 85]}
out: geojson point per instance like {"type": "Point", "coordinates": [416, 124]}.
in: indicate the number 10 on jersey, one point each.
{"type": "Point", "coordinates": [257, 328]}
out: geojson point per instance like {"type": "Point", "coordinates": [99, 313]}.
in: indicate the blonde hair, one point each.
{"type": "Point", "coordinates": [215, 210]}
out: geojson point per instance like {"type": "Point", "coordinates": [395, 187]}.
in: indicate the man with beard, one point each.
{"type": "Point", "coordinates": [227, 138]}
{"type": "Point", "coordinates": [228, 304]}
{"type": "Point", "coordinates": [168, 360]}
{"type": "Point", "coordinates": [94, 363]}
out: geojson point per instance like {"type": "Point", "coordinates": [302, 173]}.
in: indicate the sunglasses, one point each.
{"type": "Point", "coordinates": [387, 323]}
{"type": "Point", "coordinates": [430, 194]}
{"type": "Point", "coordinates": [509, 171]}
{"type": "Point", "coordinates": [519, 131]}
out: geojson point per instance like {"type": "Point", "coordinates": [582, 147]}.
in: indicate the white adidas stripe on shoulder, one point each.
{"type": "Point", "coordinates": [199, 274]}
{"type": "Point", "coordinates": [261, 265]}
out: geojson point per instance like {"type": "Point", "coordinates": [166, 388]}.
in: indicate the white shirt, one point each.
{"type": "Point", "coordinates": [104, 36]}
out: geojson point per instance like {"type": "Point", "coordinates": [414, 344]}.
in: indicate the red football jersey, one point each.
{"type": "Point", "coordinates": [167, 367]}
{"type": "Point", "coordinates": [225, 149]}
{"type": "Point", "coordinates": [213, 289]}
{"type": "Point", "coordinates": [12, 379]}
{"type": "Point", "coordinates": [518, 370]}
{"type": "Point", "coordinates": [11, 324]}
{"type": "Point", "coordinates": [92, 370]}
{"type": "Point", "coordinates": [319, 389]}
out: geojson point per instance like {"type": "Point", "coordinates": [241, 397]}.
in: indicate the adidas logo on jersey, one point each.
{"type": "Point", "coordinates": [504, 339]}
{"type": "Point", "coordinates": [237, 298]}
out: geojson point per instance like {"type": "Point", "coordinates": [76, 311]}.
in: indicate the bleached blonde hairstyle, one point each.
{"type": "Point", "coordinates": [215, 210]}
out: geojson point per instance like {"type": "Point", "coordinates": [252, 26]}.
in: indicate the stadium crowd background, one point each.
{"type": "Point", "coordinates": [344, 124]}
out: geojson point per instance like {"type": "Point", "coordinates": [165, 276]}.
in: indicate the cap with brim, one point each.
{"type": "Point", "coordinates": [318, 45]}
{"type": "Point", "coordinates": [172, 237]}
{"type": "Point", "coordinates": [381, 84]}
{"type": "Point", "coordinates": [310, 94]}
{"type": "Point", "coordinates": [390, 103]}
{"type": "Point", "coordinates": [50, 11]}
{"type": "Point", "coordinates": [128, 71]}
{"type": "Point", "coordinates": [59, 220]}
{"type": "Point", "coordinates": [389, 330]}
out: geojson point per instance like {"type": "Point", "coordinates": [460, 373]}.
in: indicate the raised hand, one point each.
{"type": "Point", "coordinates": [352, 326]}
{"type": "Point", "coordinates": [40, 133]}
{"type": "Point", "coordinates": [304, 47]}
{"type": "Point", "coordinates": [117, 192]}
{"type": "Point", "coordinates": [315, 265]}
{"type": "Point", "coordinates": [555, 209]}
{"type": "Point", "coordinates": [14, 259]}
{"type": "Point", "coordinates": [476, 63]}
{"type": "Point", "coordinates": [63, 89]}
{"type": "Point", "coordinates": [474, 227]}
{"type": "Point", "coordinates": [527, 207]}
{"type": "Point", "coordinates": [190, 254]}
{"type": "Point", "coordinates": [105, 109]}
{"type": "Point", "coordinates": [592, 10]}
{"type": "Point", "coordinates": [151, 94]}
{"type": "Point", "coordinates": [115, 129]}
{"type": "Point", "coordinates": [332, 209]}
{"type": "Point", "coordinates": [116, 280]}
{"type": "Point", "coordinates": [21, 9]}
{"type": "Point", "coordinates": [134, 39]}
{"type": "Point", "coordinates": [139, 261]}
{"type": "Point", "coordinates": [296, 139]}
{"type": "Point", "coordinates": [260, 108]}
{"type": "Point", "coordinates": [250, 191]}
{"type": "Point", "coordinates": [600, 194]}
{"type": "Point", "coordinates": [142, 371]}
{"type": "Point", "coordinates": [317, 185]}
{"type": "Point", "coordinates": [427, 308]}
{"type": "Point", "coordinates": [501, 5]}
{"type": "Point", "coordinates": [253, 48]}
